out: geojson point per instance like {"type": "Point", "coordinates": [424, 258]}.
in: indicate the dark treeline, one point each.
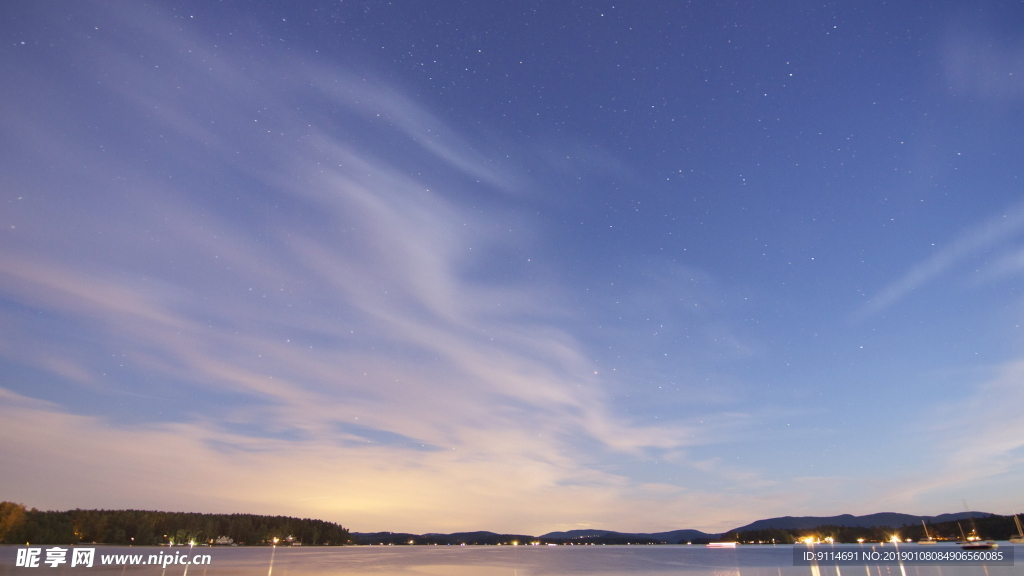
{"type": "Point", "coordinates": [766, 536]}
{"type": "Point", "coordinates": [144, 527]}
{"type": "Point", "coordinates": [993, 527]}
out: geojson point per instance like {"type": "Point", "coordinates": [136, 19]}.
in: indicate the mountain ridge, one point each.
{"type": "Point", "coordinates": [670, 536]}
{"type": "Point", "coordinates": [890, 519]}
{"type": "Point", "coordinates": [878, 519]}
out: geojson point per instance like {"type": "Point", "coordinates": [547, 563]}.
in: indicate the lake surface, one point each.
{"type": "Point", "coordinates": [489, 561]}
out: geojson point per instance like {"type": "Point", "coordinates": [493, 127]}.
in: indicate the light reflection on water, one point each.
{"type": "Point", "coordinates": [495, 561]}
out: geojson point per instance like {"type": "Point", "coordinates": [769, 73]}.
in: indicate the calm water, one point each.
{"type": "Point", "coordinates": [494, 561]}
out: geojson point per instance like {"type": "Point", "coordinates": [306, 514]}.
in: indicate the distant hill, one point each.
{"type": "Point", "coordinates": [671, 537]}
{"type": "Point", "coordinates": [577, 534]}
{"type": "Point", "coordinates": [680, 536]}
{"type": "Point", "coordinates": [591, 536]}
{"type": "Point", "coordinates": [483, 537]}
{"type": "Point", "coordinates": [890, 519]}
{"type": "Point", "coordinates": [455, 539]}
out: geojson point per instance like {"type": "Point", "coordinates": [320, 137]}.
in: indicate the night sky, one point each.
{"type": "Point", "coordinates": [521, 266]}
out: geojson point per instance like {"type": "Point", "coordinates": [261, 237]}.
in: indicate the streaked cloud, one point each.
{"type": "Point", "coordinates": [978, 441]}
{"type": "Point", "coordinates": [998, 229]}
{"type": "Point", "coordinates": [329, 287]}
{"type": "Point", "coordinates": [330, 317]}
{"type": "Point", "coordinates": [983, 63]}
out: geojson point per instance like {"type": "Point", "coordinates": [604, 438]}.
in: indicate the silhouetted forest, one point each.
{"type": "Point", "coordinates": [146, 527]}
{"type": "Point", "coordinates": [19, 525]}
{"type": "Point", "coordinates": [992, 527]}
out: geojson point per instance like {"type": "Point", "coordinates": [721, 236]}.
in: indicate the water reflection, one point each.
{"type": "Point", "coordinates": [494, 561]}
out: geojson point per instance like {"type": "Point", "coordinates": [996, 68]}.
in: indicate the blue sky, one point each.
{"type": "Point", "coordinates": [444, 266]}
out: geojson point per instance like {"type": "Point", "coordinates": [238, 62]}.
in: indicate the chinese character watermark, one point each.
{"type": "Point", "coordinates": [55, 556]}
{"type": "Point", "coordinates": [28, 557]}
{"type": "Point", "coordinates": [82, 557]}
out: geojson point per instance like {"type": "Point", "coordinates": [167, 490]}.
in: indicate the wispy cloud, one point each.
{"type": "Point", "coordinates": [1009, 263]}
{"type": "Point", "coordinates": [381, 103]}
{"type": "Point", "coordinates": [978, 441]}
{"type": "Point", "coordinates": [248, 313]}
{"type": "Point", "coordinates": [997, 229]}
{"type": "Point", "coordinates": [977, 63]}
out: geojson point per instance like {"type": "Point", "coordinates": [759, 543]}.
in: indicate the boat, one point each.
{"type": "Point", "coordinates": [974, 542]}
{"type": "Point", "coordinates": [721, 544]}
{"type": "Point", "coordinates": [1019, 538]}
{"type": "Point", "coordinates": [979, 544]}
{"type": "Point", "coordinates": [927, 537]}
